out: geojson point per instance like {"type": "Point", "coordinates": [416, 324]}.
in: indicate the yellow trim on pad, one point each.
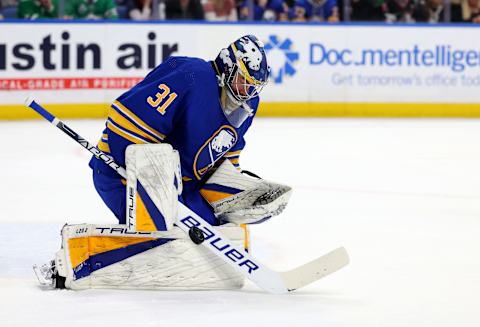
{"type": "Point", "coordinates": [246, 243]}
{"type": "Point", "coordinates": [275, 109]}
{"type": "Point", "coordinates": [79, 250]}
{"type": "Point", "coordinates": [82, 248]}
{"type": "Point", "coordinates": [144, 222]}
{"type": "Point", "coordinates": [214, 196]}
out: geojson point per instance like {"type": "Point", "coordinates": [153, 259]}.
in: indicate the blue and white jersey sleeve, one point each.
{"type": "Point", "coordinates": [147, 113]}
{"type": "Point", "coordinates": [153, 104]}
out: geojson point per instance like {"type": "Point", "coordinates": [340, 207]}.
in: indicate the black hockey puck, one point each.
{"type": "Point", "coordinates": [196, 235]}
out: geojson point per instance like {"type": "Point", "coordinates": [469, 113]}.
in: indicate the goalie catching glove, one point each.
{"type": "Point", "coordinates": [244, 198]}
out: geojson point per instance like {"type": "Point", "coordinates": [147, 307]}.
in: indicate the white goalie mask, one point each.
{"type": "Point", "coordinates": [242, 70]}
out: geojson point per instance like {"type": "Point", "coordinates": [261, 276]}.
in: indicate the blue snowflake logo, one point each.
{"type": "Point", "coordinates": [283, 58]}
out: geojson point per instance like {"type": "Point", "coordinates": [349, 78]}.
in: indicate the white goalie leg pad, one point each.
{"type": "Point", "coordinates": [242, 199]}
{"type": "Point", "coordinates": [153, 184]}
{"type": "Point", "coordinates": [111, 256]}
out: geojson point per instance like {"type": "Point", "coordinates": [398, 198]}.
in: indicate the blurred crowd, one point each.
{"type": "Point", "coordinates": [391, 11]}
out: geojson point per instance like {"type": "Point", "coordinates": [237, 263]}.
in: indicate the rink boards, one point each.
{"type": "Point", "coordinates": [78, 68]}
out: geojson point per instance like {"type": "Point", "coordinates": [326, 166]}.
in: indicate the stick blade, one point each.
{"type": "Point", "coordinates": [316, 269]}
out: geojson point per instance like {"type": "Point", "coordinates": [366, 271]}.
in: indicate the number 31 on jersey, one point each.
{"type": "Point", "coordinates": [162, 99]}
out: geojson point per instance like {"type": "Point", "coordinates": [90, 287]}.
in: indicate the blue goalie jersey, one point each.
{"type": "Point", "coordinates": [177, 103]}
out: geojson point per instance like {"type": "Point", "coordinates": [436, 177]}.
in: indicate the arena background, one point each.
{"type": "Point", "coordinates": [349, 69]}
{"type": "Point", "coordinates": [401, 195]}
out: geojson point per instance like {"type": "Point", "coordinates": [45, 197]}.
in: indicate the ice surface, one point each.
{"type": "Point", "coordinates": [403, 196]}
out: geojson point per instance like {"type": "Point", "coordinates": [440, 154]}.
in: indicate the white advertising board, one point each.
{"type": "Point", "coordinates": [93, 63]}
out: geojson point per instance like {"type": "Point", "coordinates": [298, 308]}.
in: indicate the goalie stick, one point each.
{"type": "Point", "coordinates": [265, 278]}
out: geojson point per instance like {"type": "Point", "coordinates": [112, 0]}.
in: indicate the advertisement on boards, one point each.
{"type": "Point", "coordinates": [313, 67]}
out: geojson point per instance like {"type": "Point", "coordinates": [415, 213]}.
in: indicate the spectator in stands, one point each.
{"type": "Point", "coordinates": [8, 9]}
{"type": "Point", "coordinates": [139, 9]}
{"type": "Point", "coordinates": [259, 8]}
{"type": "Point", "coordinates": [428, 11]}
{"type": "Point", "coordinates": [143, 9]}
{"type": "Point", "coordinates": [421, 13]}
{"type": "Point", "coordinates": [471, 11]}
{"type": "Point", "coordinates": [456, 11]}
{"type": "Point", "coordinates": [91, 9]}
{"type": "Point", "coordinates": [283, 9]}
{"type": "Point", "coordinates": [8, 3]}
{"type": "Point", "coordinates": [33, 9]}
{"type": "Point", "coordinates": [320, 10]}
{"type": "Point", "coordinates": [243, 11]}
{"type": "Point", "coordinates": [299, 14]}
{"type": "Point", "coordinates": [399, 11]}
{"type": "Point", "coordinates": [368, 10]}
{"type": "Point", "coordinates": [184, 9]}
{"type": "Point", "coordinates": [267, 10]}
{"type": "Point", "coordinates": [220, 10]}
{"type": "Point", "coordinates": [283, 16]}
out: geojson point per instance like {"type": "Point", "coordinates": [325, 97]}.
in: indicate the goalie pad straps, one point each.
{"type": "Point", "coordinates": [111, 256]}
{"type": "Point", "coordinates": [153, 185]}
{"type": "Point", "coordinates": [242, 199]}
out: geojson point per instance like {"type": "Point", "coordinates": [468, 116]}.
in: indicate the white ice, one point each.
{"type": "Point", "coordinates": [403, 197]}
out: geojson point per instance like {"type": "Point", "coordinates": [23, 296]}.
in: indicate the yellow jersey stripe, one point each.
{"type": "Point", "coordinates": [137, 120]}
{"type": "Point", "coordinates": [129, 132]}
{"type": "Point", "coordinates": [233, 154]}
{"type": "Point", "coordinates": [124, 134]}
{"type": "Point", "coordinates": [128, 125]}
{"type": "Point", "coordinates": [234, 160]}
{"type": "Point", "coordinates": [103, 146]}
